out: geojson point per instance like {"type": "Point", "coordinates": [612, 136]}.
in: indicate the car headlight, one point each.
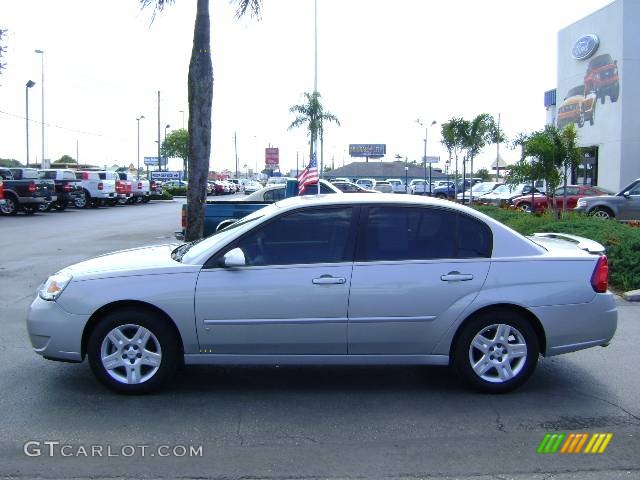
{"type": "Point", "coordinates": [54, 286]}
{"type": "Point", "coordinates": [581, 203]}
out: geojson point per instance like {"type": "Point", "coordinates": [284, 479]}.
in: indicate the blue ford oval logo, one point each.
{"type": "Point", "coordinates": [585, 46]}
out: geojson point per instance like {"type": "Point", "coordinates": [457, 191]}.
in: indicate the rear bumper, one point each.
{"type": "Point", "coordinates": [574, 327]}
{"type": "Point", "coordinates": [37, 200]}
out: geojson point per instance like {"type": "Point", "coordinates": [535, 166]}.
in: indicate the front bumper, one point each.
{"type": "Point", "coordinates": [55, 333]}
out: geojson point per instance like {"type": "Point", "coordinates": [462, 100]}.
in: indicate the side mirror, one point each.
{"type": "Point", "coordinates": [234, 258]}
{"type": "Point", "coordinates": [626, 194]}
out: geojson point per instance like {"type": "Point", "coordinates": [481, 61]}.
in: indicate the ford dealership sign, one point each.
{"type": "Point", "coordinates": [585, 46]}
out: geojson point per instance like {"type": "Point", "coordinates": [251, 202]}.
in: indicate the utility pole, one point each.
{"type": "Point", "coordinates": [158, 134]}
{"type": "Point", "coordinates": [498, 155]}
{"type": "Point", "coordinates": [235, 145]}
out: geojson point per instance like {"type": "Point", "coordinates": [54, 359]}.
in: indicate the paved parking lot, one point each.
{"type": "Point", "coordinates": [295, 422]}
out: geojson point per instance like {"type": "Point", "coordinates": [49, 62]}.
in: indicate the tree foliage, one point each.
{"type": "Point", "coordinates": [548, 155]}
{"type": "Point", "coordinates": [470, 136]}
{"type": "Point", "coordinates": [484, 174]}
{"type": "Point", "coordinates": [10, 163]}
{"type": "Point", "coordinates": [65, 159]}
{"type": "Point", "coordinates": [3, 49]}
{"type": "Point", "coordinates": [176, 145]}
{"type": "Point", "coordinates": [312, 115]}
{"type": "Point", "coordinates": [200, 92]}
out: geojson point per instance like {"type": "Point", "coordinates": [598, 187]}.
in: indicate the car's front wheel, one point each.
{"type": "Point", "coordinates": [602, 212]}
{"type": "Point", "coordinates": [133, 351]}
{"type": "Point", "coordinates": [496, 351]}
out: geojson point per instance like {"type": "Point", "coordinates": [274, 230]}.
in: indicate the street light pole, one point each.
{"type": "Point", "coordinates": [41, 52]}
{"type": "Point", "coordinates": [26, 89]}
{"type": "Point", "coordinates": [138, 170]}
{"type": "Point", "coordinates": [166, 167]}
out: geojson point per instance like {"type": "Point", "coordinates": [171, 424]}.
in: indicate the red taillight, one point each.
{"type": "Point", "coordinates": [100, 186]}
{"type": "Point", "coordinates": [152, 185]}
{"type": "Point", "coordinates": [32, 187]}
{"type": "Point", "coordinates": [85, 175]}
{"type": "Point", "coordinates": [66, 188]}
{"type": "Point", "coordinates": [1, 190]}
{"type": "Point", "coordinates": [184, 216]}
{"type": "Point", "coordinates": [600, 276]}
{"type": "Point", "coordinates": [119, 187]}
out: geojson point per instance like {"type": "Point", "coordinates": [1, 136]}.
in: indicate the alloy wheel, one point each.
{"type": "Point", "coordinates": [498, 353]}
{"type": "Point", "coordinates": [130, 354]}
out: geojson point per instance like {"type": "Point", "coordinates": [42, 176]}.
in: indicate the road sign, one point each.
{"type": "Point", "coordinates": [164, 176]}
{"type": "Point", "coordinates": [271, 157]}
{"type": "Point", "coordinates": [153, 161]}
{"type": "Point", "coordinates": [430, 159]}
{"type": "Point", "coordinates": [367, 149]}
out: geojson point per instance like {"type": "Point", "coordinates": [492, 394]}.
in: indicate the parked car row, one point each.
{"type": "Point", "coordinates": [30, 190]}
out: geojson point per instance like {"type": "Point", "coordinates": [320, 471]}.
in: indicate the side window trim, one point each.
{"type": "Point", "coordinates": [215, 260]}
{"type": "Point", "coordinates": [364, 218]}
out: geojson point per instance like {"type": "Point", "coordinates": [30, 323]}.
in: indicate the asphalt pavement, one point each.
{"type": "Point", "coordinates": [288, 422]}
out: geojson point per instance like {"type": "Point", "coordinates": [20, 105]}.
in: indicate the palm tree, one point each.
{"type": "Point", "coordinates": [200, 87]}
{"type": "Point", "coordinates": [312, 115]}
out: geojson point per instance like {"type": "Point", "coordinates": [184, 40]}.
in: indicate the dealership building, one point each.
{"type": "Point", "coordinates": [598, 90]}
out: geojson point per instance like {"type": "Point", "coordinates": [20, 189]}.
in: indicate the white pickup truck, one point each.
{"type": "Point", "coordinates": [97, 191]}
{"type": "Point", "coordinates": [139, 187]}
{"type": "Point", "coordinates": [123, 188]}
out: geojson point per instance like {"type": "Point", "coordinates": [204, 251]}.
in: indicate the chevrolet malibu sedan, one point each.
{"type": "Point", "coordinates": [332, 279]}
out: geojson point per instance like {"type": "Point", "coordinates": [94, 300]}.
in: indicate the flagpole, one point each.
{"type": "Point", "coordinates": [315, 80]}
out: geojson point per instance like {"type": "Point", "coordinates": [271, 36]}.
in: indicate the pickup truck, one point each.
{"type": "Point", "coordinates": [96, 191]}
{"type": "Point", "coordinates": [140, 188]}
{"type": "Point", "coordinates": [68, 189]}
{"type": "Point", "coordinates": [1, 193]}
{"type": "Point", "coordinates": [124, 189]}
{"type": "Point", "coordinates": [23, 190]}
{"type": "Point", "coordinates": [220, 213]}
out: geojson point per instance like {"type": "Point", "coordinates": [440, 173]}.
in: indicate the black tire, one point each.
{"type": "Point", "coordinates": [146, 199]}
{"type": "Point", "coordinates": [29, 209]}
{"type": "Point", "coordinates": [88, 201]}
{"type": "Point", "coordinates": [61, 205]}
{"type": "Point", "coordinates": [10, 205]}
{"type": "Point", "coordinates": [94, 203]}
{"type": "Point", "coordinates": [441, 195]}
{"type": "Point", "coordinates": [112, 202]}
{"type": "Point", "coordinates": [615, 94]}
{"type": "Point", "coordinates": [602, 212]}
{"type": "Point", "coordinates": [44, 207]}
{"type": "Point", "coordinates": [125, 319]}
{"type": "Point", "coordinates": [79, 201]}
{"type": "Point", "coordinates": [521, 367]}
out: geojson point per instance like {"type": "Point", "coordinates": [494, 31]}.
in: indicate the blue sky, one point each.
{"type": "Point", "coordinates": [381, 65]}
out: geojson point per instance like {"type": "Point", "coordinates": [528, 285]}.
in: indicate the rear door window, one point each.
{"type": "Point", "coordinates": [416, 233]}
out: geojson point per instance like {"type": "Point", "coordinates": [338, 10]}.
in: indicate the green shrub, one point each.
{"type": "Point", "coordinates": [621, 241]}
{"type": "Point", "coordinates": [165, 196]}
{"type": "Point", "coordinates": [176, 191]}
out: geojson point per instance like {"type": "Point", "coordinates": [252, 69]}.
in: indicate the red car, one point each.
{"type": "Point", "coordinates": [574, 192]}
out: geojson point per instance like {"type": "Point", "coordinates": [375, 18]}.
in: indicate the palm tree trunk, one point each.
{"type": "Point", "coordinates": [200, 102]}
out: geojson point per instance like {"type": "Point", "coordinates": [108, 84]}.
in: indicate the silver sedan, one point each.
{"type": "Point", "coordinates": [332, 279]}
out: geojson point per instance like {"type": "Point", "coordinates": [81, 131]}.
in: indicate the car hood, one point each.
{"type": "Point", "coordinates": [150, 260]}
{"type": "Point", "coordinates": [610, 199]}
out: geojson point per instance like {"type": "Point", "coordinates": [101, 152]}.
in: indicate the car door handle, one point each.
{"type": "Point", "coordinates": [456, 277]}
{"type": "Point", "coordinates": [329, 280]}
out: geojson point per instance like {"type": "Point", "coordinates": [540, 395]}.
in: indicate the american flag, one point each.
{"type": "Point", "coordinates": [309, 176]}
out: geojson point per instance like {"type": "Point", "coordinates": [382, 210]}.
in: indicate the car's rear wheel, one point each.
{"type": "Point", "coordinates": [146, 199]}
{"type": "Point", "coordinates": [496, 351]}
{"type": "Point", "coordinates": [602, 212]}
{"type": "Point", "coordinates": [79, 201]}
{"type": "Point", "coordinates": [44, 207]}
{"type": "Point", "coordinates": [61, 205]}
{"type": "Point", "coordinates": [133, 351]}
